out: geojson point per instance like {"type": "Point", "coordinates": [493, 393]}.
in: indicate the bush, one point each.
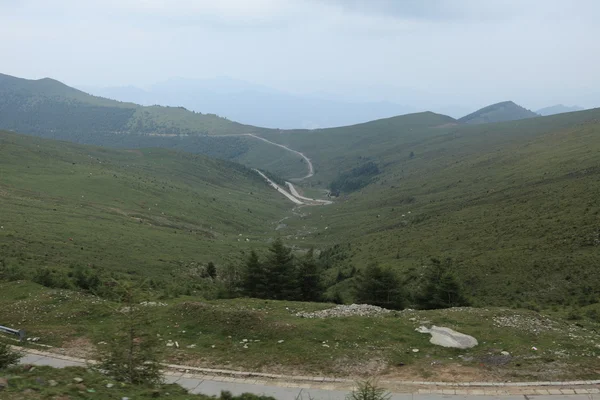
{"type": "Point", "coordinates": [368, 390]}
{"type": "Point", "coordinates": [8, 357]}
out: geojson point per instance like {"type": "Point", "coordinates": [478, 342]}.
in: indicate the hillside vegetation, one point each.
{"type": "Point", "coordinates": [51, 109]}
{"type": "Point", "coordinates": [499, 112]}
{"type": "Point", "coordinates": [514, 204]}
{"type": "Point", "coordinates": [140, 213]}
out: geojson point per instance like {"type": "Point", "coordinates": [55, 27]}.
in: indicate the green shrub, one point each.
{"type": "Point", "coordinates": [368, 390]}
{"type": "Point", "coordinates": [8, 357]}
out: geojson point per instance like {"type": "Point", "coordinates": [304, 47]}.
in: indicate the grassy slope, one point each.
{"type": "Point", "coordinates": [515, 203]}
{"type": "Point", "coordinates": [149, 210]}
{"type": "Point", "coordinates": [337, 149]}
{"type": "Point", "coordinates": [348, 347]}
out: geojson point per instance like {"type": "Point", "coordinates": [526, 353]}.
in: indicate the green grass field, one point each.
{"type": "Point", "coordinates": [266, 336]}
{"type": "Point", "coordinates": [147, 212]}
{"type": "Point", "coordinates": [515, 204]}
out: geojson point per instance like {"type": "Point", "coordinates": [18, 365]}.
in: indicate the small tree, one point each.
{"type": "Point", "coordinates": [255, 279]}
{"type": "Point", "coordinates": [211, 270]}
{"type": "Point", "coordinates": [131, 354]}
{"type": "Point", "coordinates": [441, 287]}
{"type": "Point", "coordinates": [309, 278]}
{"type": "Point", "coordinates": [379, 286]}
{"type": "Point", "coordinates": [8, 357]}
{"type": "Point", "coordinates": [281, 283]}
{"type": "Point", "coordinates": [368, 390]}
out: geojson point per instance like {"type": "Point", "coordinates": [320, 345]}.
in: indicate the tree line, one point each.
{"type": "Point", "coordinates": [282, 276]}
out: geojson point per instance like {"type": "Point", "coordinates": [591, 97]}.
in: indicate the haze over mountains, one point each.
{"type": "Point", "coordinates": [254, 104]}
{"type": "Point", "coordinates": [558, 109]}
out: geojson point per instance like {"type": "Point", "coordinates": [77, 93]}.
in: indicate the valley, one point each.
{"type": "Point", "coordinates": [161, 194]}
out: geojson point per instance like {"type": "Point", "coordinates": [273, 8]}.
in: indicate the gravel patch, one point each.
{"type": "Point", "coordinates": [352, 310]}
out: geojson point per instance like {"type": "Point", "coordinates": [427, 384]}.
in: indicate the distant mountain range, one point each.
{"type": "Point", "coordinates": [499, 112]}
{"type": "Point", "coordinates": [253, 104]}
{"type": "Point", "coordinates": [558, 109]}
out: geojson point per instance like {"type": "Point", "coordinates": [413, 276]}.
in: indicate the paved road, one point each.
{"type": "Point", "coordinates": [214, 385]}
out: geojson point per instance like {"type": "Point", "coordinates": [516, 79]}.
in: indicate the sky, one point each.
{"type": "Point", "coordinates": [427, 53]}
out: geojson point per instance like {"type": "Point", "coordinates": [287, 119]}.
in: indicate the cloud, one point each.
{"type": "Point", "coordinates": [456, 51]}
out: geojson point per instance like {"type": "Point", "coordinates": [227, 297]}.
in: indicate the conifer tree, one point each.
{"type": "Point", "coordinates": [256, 280]}
{"type": "Point", "coordinates": [309, 280]}
{"type": "Point", "coordinates": [280, 271]}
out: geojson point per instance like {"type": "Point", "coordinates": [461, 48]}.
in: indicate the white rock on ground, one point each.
{"type": "Point", "coordinates": [361, 310]}
{"type": "Point", "coordinates": [447, 337]}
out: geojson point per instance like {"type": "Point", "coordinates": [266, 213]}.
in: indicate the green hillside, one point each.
{"type": "Point", "coordinates": [335, 150]}
{"type": "Point", "coordinates": [499, 112]}
{"type": "Point", "coordinates": [149, 212]}
{"type": "Point", "coordinates": [515, 204]}
{"type": "Point", "coordinates": [51, 109]}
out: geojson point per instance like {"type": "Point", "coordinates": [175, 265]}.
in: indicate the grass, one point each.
{"type": "Point", "coordinates": [25, 383]}
{"type": "Point", "coordinates": [246, 334]}
{"type": "Point", "coordinates": [514, 204]}
{"type": "Point", "coordinates": [148, 212]}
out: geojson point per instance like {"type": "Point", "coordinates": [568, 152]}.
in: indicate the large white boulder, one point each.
{"type": "Point", "coordinates": [447, 337]}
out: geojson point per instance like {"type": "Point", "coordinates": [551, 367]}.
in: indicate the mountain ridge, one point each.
{"type": "Point", "coordinates": [558, 109]}
{"type": "Point", "coordinates": [498, 112]}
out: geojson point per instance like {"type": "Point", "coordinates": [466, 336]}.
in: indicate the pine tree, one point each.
{"type": "Point", "coordinates": [280, 273]}
{"type": "Point", "coordinates": [309, 279]}
{"type": "Point", "coordinates": [380, 287]}
{"type": "Point", "coordinates": [442, 288]}
{"type": "Point", "coordinates": [211, 270]}
{"type": "Point", "coordinates": [133, 354]}
{"type": "Point", "coordinates": [255, 280]}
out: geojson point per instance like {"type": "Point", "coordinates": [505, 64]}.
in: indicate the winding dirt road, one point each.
{"type": "Point", "coordinates": [293, 194]}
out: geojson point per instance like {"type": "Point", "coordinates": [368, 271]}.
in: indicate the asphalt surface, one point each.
{"type": "Point", "coordinates": [213, 387]}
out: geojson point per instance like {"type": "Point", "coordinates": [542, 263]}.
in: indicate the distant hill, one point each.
{"type": "Point", "coordinates": [51, 109]}
{"type": "Point", "coordinates": [558, 109]}
{"type": "Point", "coordinates": [499, 112]}
{"type": "Point", "coordinates": [254, 104]}
{"type": "Point", "coordinates": [37, 106]}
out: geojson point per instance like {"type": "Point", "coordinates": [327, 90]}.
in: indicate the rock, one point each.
{"type": "Point", "coordinates": [447, 337]}
{"type": "Point", "coordinates": [280, 341]}
{"type": "Point", "coordinates": [52, 383]}
{"type": "Point", "coordinates": [77, 380]}
{"type": "Point", "coordinates": [361, 310]}
{"type": "Point", "coordinates": [415, 350]}
{"type": "Point", "coordinates": [109, 385]}
{"type": "Point", "coordinates": [81, 386]}
{"type": "Point", "coordinates": [3, 383]}
{"type": "Point", "coordinates": [505, 353]}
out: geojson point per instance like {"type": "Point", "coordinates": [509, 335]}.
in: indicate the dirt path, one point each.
{"type": "Point", "coordinates": [293, 194]}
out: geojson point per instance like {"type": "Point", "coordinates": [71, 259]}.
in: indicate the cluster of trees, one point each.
{"type": "Point", "coordinates": [281, 276]}
{"type": "Point", "coordinates": [354, 179]}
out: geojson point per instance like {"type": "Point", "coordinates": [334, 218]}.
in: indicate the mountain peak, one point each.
{"type": "Point", "coordinates": [498, 112]}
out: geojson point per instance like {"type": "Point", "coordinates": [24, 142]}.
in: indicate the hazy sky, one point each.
{"type": "Point", "coordinates": [463, 52]}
